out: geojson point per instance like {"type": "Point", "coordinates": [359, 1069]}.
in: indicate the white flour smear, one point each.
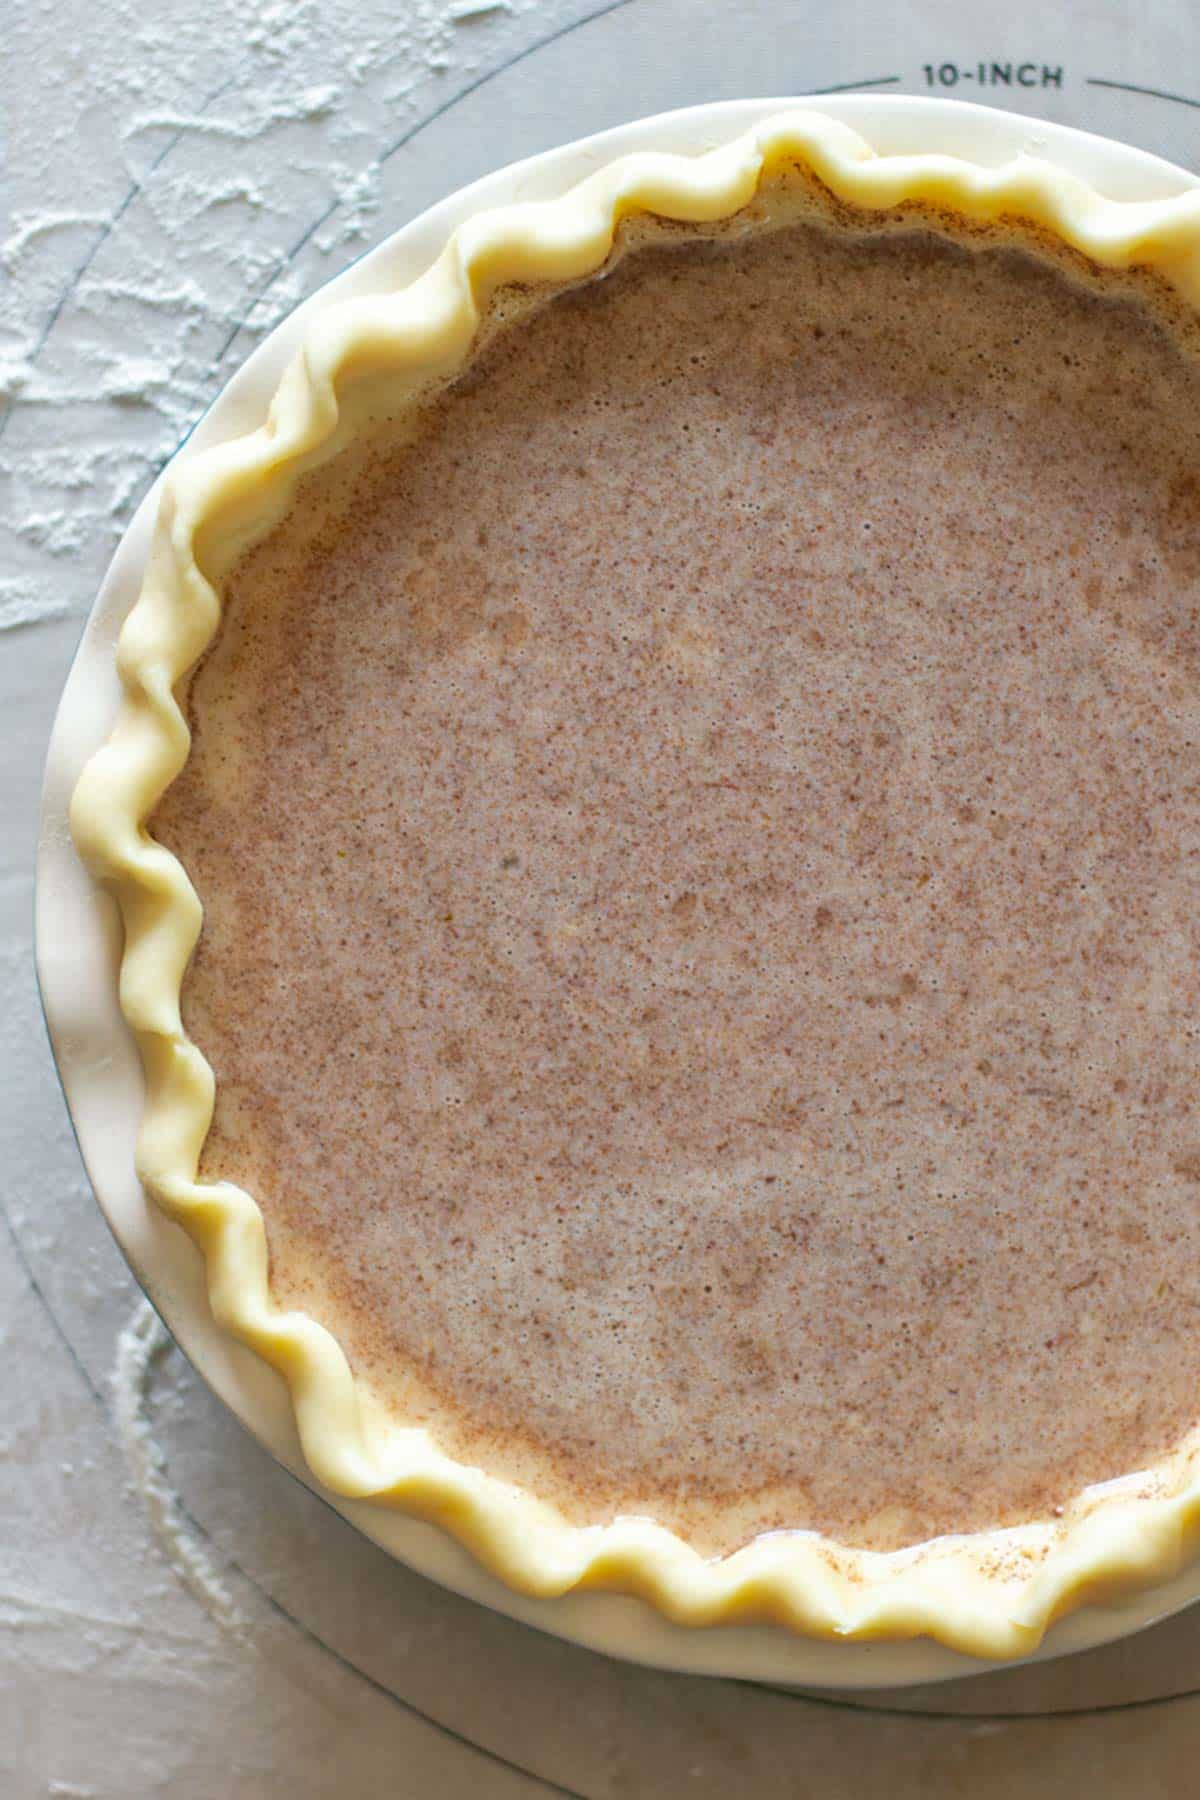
{"type": "Point", "coordinates": [141, 1345]}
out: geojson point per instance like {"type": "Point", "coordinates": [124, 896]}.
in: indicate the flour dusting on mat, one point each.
{"type": "Point", "coordinates": [141, 1345]}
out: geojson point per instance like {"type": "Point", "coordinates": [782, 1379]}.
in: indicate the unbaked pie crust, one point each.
{"type": "Point", "coordinates": [992, 1594]}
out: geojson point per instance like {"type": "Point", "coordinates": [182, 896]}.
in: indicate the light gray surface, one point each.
{"type": "Point", "coordinates": [159, 174]}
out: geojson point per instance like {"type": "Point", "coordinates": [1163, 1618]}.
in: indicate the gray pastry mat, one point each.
{"type": "Point", "coordinates": [176, 1614]}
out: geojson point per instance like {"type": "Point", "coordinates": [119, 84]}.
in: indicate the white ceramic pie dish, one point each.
{"type": "Point", "coordinates": [79, 938]}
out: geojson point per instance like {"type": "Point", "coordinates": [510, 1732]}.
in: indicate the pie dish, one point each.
{"type": "Point", "coordinates": [989, 1593]}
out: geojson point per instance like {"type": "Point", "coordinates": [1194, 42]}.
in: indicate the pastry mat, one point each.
{"type": "Point", "coordinates": [176, 186]}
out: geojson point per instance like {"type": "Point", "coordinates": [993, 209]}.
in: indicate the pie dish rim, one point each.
{"type": "Point", "coordinates": [939, 1592]}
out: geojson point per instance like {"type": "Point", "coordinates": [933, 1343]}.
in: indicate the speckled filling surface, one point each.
{"type": "Point", "coordinates": [700, 851]}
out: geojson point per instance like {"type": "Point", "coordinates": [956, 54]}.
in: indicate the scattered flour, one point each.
{"type": "Point", "coordinates": [141, 1345]}
{"type": "Point", "coordinates": [31, 227]}
{"type": "Point", "coordinates": [464, 10]}
{"type": "Point", "coordinates": [14, 377]}
{"type": "Point", "coordinates": [313, 103]}
{"type": "Point", "coordinates": [236, 162]}
{"type": "Point", "coordinates": [24, 603]}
